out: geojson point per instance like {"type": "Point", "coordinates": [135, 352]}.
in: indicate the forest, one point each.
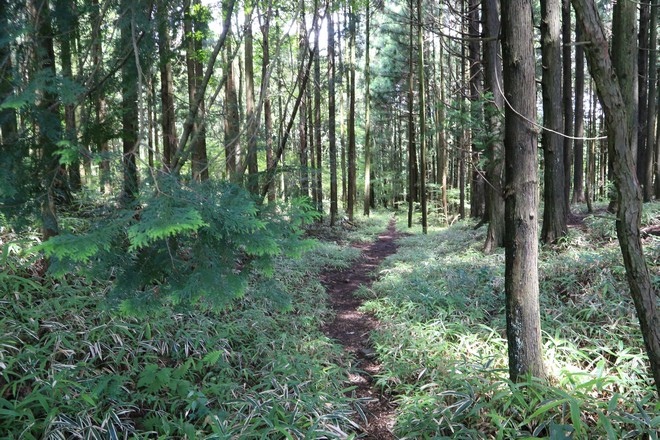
{"type": "Point", "coordinates": [329, 219]}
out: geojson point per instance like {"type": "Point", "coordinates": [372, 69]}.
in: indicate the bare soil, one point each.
{"type": "Point", "coordinates": [352, 328]}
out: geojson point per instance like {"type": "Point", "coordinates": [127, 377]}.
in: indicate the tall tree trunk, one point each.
{"type": "Point", "coordinates": [478, 185]}
{"type": "Point", "coordinates": [65, 17]}
{"type": "Point", "coordinates": [268, 112]}
{"type": "Point", "coordinates": [652, 99]}
{"type": "Point", "coordinates": [195, 31]}
{"type": "Point", "coordinates": [100, 109]}
{"type": "Point", "coordinates": [12, 156]}
{"type": "Point", "coordinates": [567, 90]}
{"type": "Point", "coordinates": [232, 121]}
{"type": "Point", "coordinates": [652, 145]}
{"type": "Point", "coordinates": [464, 142]}
{"type": "Point", "coordinates": [521, 256]}
{"type": "Point", "coordinates": [554, 194]}
{"type": "Point", "coordinates": [352, 189]}
{"type": "Point", "coordinates": [129, 99]}
{"type": "Point", "coordinates": [422, 117]}
{"type": "Point", "coordinates": [442, 152]}
{"type": "Point", "coordinates": [578, 162]}
{"type": "Point", "coordinates": [643, 87]}
{"type": "Point", "coordinates": [601, 66]}
{"type": "Point", "coordinates": [624, 48]}
{"type": "Point", "coordinates": [250, 106]}
{"type": "Point", "coordinates": [367, 118]}
{"type": "Point", "coordinates": [412, 153]}
{"type": "Point", "coordinates": [332, 140]}
{"type": "Point", "coordinates": [53, 177]}
{"type": "Point", "coordinates": [318, 166]}
{"type": "Point", "coordinates": [303, 45]}
{"type": "Point", "coordinates": [168, 118]}
{"type": "Point", "coordinates": [494, 109]}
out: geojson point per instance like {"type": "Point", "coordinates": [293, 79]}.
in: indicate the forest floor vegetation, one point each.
{"type": "Point", "coordinates": [264, 366]}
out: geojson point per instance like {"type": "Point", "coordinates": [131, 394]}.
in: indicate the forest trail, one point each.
{"type": "Point", "coordinates": [351, 328]}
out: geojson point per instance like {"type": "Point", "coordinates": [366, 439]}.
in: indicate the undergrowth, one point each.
{"type": "Point", "coordinates": [74, 366]}
{"type": "Point", "coordinates": [443, 342]}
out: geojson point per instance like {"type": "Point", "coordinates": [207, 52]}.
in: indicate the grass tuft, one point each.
{"type": "Point", "coordinates": [444, 351]}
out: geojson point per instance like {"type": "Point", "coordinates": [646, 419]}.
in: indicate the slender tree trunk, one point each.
{"type": "Point", "coordinates": [250, 107]}
{"type": "Point", "coordinates": [494, 109]}
{"type": "Point", "coordinates": [352, 189]}
{"type": "Point", "coordinates": [8, 117]}
{"type": "Point", "coordinates": [624, 46]}
{"type": "Point", "coordinates": [332, 141]}
{"type": "Point", "coordinates": [48, 119]}
{"type": "Point", "coordinates": [554, 212]}
{"type": "Point", "coordinates": [168, 118]}
{"type": "Point", "coordinates": [195, 30]}
{"type": "Point", "coordinates": [601, 66]}
{"type": "Point", "coordinates": [422, 117]}
{"type": "Point", "coordinates": [318, 166]}
{"type": "Point", "coordinates": [478, 188]}
{"type": "Point", "coordinates": [652, 105]}
{"type": "Point", "coordinates": [232, 121]}
{"type": "Point", "coordinates": [65, 17]}
{"type": "Point", "coordinates": [521, 267]}
{"type": "Point", "coordinates": [412, 154]}
{"type": "Point", "coordinates": [442, 141]}
{"type": "Point", "coordinates": [130, 115]}
{"type": "Point", "coordinates": [643, 88]}
{"type": "Point", "coordinates": [268, 112]}
{"type": "Point", "coordinates": [302, 123]}
{"type": "Point", "coordinates": [578, 163]}
{"type": "Point", "coordinates": [463, 142]}
{"type": "Point", "coordinates": [367, 119]}
{"type": "Point", "coordinates": [567, 90]}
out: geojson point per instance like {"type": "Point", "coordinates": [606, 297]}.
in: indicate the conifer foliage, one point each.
{"type": "Point", "coordinates": [182, 244]}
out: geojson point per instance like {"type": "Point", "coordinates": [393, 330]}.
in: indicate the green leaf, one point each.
{"type": "Point", "coordinates": [168, 223]}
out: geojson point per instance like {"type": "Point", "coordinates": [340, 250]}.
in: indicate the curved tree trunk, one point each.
{"type": "Point", "coordinates": [629, 194]}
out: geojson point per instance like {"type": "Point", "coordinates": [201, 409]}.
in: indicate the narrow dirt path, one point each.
{"type": "Point", "coordinates": [351, 328]}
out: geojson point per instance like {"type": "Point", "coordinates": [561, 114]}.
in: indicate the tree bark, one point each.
{"type": "Point", "coordinates": [521, 241]}
{"type": "Point", "coordinates": [624, 59]}
{"type": "Point", "coordinates": [195, 31]}
{"type": "Point", "coordinates": [494, 109]}
{"type": "Point", "coordinates": [352, 190]}
{"type": "Point", "coordinates": [610, 92]}
{"type": "Point", "coordinates": [318, 165]}
{"type": "Point", "coordinates": [367, 119]}
{"type": "Point", "coordinates": [554, 194]}
{"type": "Point", "coordinates": [422, 117]}
{"type": "Point", "coordinates": [643, 88]}
{"type": "Point", "coordinates": [332, 140]}
{"type": "Point", "coordinates": [168, 117]}
{"type": "Point", "coordinates": [412, 153]}
{"type": "Point", "coordinates": [268, 112]}
{"type": "Point", "coordinates": [232, 119]}
{"type": "Point", "coordinates": [567, 98]}
{"type": "Point", "coordinates": [65, 18]}
{"type": "Point", "coordinates": [129, 95]}
{"type": "Point", "coordinates": [578, 162]}
{"type": "Point", "coordinates": [478, 184]}
{"type": "Point", "coordinates": [12, 156]}
{"type": "Point", "coordinates": [48, 119]}
{"type": "Point", "coordinates": [250, 107]}
{"type": "Point", "coordinates": [652, 105]}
